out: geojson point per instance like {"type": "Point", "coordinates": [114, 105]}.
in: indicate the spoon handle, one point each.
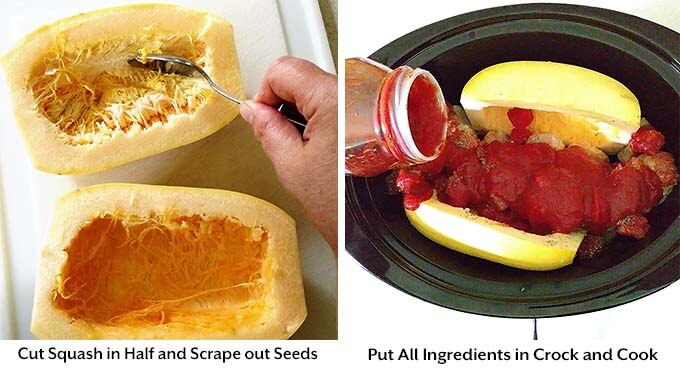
{"type": "Point", "coordinates": [170, 64]}
{"type": "Point", "coordinates": [289, 110]}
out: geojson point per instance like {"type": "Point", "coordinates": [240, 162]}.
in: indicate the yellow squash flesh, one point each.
{"type": "Point", "coordinates": [80, 106]}
{"type": "Point", "coordinates": [579, 105]}
{"type": "Point", "coordinates": [125, 261]}
{"type": "Point", "coordinates": [463, 231]}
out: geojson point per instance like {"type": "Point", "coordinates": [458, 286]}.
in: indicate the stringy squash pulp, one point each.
{"type": "Point", "coordinates": [148, 262]}
{"type": "Point", "coordinates": [81, 107]}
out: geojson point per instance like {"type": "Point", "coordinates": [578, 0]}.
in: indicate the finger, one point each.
{"type": "Point", "coordinates": [280, 140]}
{"type": "Point", "coordinates": [296, 81]}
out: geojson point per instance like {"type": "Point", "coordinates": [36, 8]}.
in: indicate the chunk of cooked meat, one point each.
{"type": "Point", "coordinates": [597, 153]}
{"type": "Point", "coordinates": [635, 226]}
{"type": "Point", "coordinates": [625, 154]}
{"type": "Point", "coordinates": [465, 137]}
{"type": "Point", "coordinates": [496, 136]}
{"type": "Point", "coordinates": [553, 141]}
{"type": "Point", "coordinates": [661, 163]}
{"type": "Point", "coordinates": [590, 247]}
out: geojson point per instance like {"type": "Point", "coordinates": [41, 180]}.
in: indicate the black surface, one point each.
{"type": "Point", "coordinates": [640, 54]}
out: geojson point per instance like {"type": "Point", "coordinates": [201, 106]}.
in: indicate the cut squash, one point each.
{"type": "Point", "coordinates": [125, 261]}
{"type": "Point", "coordinates": [579, 105]}
{"type": "Point", "coordinates": [80, 106]}
{"type": "Point", "coordinates": [464, 231]}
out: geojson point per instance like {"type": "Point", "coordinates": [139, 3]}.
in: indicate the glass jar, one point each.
{"type": "Point", "coordinates": [393, 118]}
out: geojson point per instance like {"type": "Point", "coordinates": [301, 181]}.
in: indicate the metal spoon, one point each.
{"type": "Point", "coordinates": [170, 64]}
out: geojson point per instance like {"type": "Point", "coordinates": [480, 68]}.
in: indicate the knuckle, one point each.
{"type": "Point", "coordinates": [292, 66]}
{"type": "Point", "coordinates": [280, 63]}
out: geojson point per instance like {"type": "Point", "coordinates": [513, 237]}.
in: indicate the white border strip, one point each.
{"type": "Point", "coordinates": [7, 323]}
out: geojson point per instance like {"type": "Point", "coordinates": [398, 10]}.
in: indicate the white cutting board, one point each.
{"type": "Point", "coordinates": [230, 159]}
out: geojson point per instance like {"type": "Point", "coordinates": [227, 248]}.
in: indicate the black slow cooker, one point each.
{"type": "Point", "coordinates": [639, 53]}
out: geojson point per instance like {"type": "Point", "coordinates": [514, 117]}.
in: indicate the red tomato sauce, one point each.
{"type": "Point", "coordinates": [534, 188]}
{"type": "Point", "coordinates": [520, 119]}
{"type": "Point", "coordinates": [646, 140]}
{"type": "Point", "coordinates": [424, 116]}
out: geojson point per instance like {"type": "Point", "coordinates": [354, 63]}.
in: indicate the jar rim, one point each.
{"type": "Point", "coordinates": [402, 81]}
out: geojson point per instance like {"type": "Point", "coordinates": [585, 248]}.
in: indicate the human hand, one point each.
{"type": "Point", "coordinates": [307, 164]}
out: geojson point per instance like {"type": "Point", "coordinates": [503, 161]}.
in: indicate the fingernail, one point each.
{"type": "Point", "coordinates": [247, 109]}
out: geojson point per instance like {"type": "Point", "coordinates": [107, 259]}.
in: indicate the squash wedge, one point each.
{"type": "Point", "coordinates": [81, 108]}
{"type": "Point", "coordinates": [126, 261]}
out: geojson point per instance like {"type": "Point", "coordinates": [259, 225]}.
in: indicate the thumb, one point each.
{"type": "Point", "coordinates": [280, 140]}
